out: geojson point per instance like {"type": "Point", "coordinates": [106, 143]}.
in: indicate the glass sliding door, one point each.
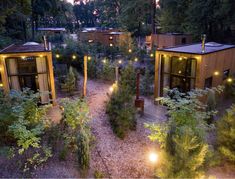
{"type": "Point", "coordinates": [178, 73]}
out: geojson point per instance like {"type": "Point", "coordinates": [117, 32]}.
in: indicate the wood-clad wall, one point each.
{"type": "Point", "coordinates": [207, 65]}
{"type": "Point", "coordinates": [218, 62]}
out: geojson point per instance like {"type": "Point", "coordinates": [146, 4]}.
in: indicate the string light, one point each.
{"type": "Point", "coordinates": [1, 85]}
{"type": "Point", "coordinates": [89, 58]}
{"type": "Point", "coordinates": [230, 80]}
{"type": "Point", "coordinates": [57, 56]}
{"type": "Point", "coordinates": [104, 61]}
{"type": "Point", "coordinates": [23, 57]}
{"type": "Point", "coordinates": [41, 56]}
{"type": "Point", "coordinates": [111, 45]}
{"type": "Point", "coordinates": [120, 61]}
{"type": "Point", "coordinates": [129, 50]}
{"type": "Point", "coordinates": [180, 59]}
{"type": "Point", "coordinates": [151, 55]}
{"type": "Point", "coordinates": [74, 57]}
{"type": "Point", "coordinates": [153, 157]}
{"type": "Point", "coordinates": [136, 59]}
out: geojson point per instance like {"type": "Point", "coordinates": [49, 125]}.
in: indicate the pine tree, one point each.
{"type": "Point", "coordinates": [226, 135]}
{"type": "Point", "coordinates": [70, 82]}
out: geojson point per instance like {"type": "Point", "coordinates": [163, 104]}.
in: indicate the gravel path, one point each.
{"type": "Point", "coordinates": [114, 157]}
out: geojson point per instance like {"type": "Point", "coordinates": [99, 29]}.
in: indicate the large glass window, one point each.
{"type": "Point", "coordinates": [178, 72]}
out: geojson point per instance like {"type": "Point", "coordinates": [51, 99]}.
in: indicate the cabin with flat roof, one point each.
{"type": "Point", "coordinates": [188, 67]}
{"type": "Point", "coordinates": [28, 66]}
{"type": "Point", "coordinates": [155, 41]}
{"type": "Point", "coordinates": [108, 37]}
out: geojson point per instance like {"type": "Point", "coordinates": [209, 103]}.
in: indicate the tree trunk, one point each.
{"type": "Point", "coordinates": [153, 15]}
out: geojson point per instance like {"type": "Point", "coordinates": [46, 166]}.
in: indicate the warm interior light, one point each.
{"type": "Point", "coordinates": [23, 57]}
{"type": "Point", "coordinates": [40, 55]}
{"type": "Point", "coordinates": [0, 68]}
{"type": "Point", "coordinates": [153, 157]}
{"type": "Point", "coordinates": [216, 73]}
{"type": "Point", "coordinates": [57, 56]}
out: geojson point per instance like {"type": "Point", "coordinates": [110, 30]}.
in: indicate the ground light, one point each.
{"type": "Point", "coordinates": [153, 157]}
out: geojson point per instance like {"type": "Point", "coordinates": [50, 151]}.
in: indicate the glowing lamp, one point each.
{"type": "Point", "coordinates": [136, 59]}
{"type": "Point", "coordinates": [74, 57]}
{"type": "Point", "coordinates": [110, 45]}
{"type": "Point", "coordinates": [1, 85]}
{"type": "Point", "coordinates": [151, 55]}
{"type": "Point", "coordinates": [129, 50]}
{"type": "Point", "coordinates": [104, 61]}
{"type": "Point", "coordinates": [57, 56]}
{"type": "Point", "coordinates": [111, 89]}
{"type": "Point", "coordinates": [89, 58]}
{"type": "Point", "coordinates": [216, 73]}
{"type": "Point", "coordinates": [230, 80]}
{"type": "Point", "coordinates": [120, 61]}
{"type": "Point", "coordinates": [153, 157]}
{"type": "Point", "coordinates": [23, 57]}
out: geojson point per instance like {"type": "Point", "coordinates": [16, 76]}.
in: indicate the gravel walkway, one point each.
{"type": "Point", "coordinates": [114, 157]}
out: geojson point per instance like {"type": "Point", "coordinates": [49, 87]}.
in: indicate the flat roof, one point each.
{"type": "Point", "coordinates": [27, 47]}
{"type": "Point", "coordinates": [51, 29]}
{"type": "Point", "coordinates": [210, 47]}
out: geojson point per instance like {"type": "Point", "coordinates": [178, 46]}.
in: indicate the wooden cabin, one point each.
{"type": "Point", "coordinates": [108, 37]}
{"type": "Point", "coordinates": [191, 66]}
{"type": "Point", "coordinates": [155, 41]}
{"type": "Point", "coordinates": [28, 66]}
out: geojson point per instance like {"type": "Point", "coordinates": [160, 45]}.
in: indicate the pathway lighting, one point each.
{"type": "Point", "coordinates": [153, 157]}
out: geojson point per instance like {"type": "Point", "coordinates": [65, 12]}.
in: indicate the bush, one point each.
{"type": "Point", "coordinates": [121, 111]}
{"type": "Point", "coordinates": [226, 135]}
{"type": "Point", "coordinates": [107, 72]}
{"type": "Point", "coordinates": [27, 123]}
{"type": "Point", "coordinates": [182, 138]}
{"type": "Point", "coordinates": [83, 152]}
{"type": "Point", "coordinates": [70, 82]}
{"type": "Point", "coordinates": [128, 79]}
{"type": "Point", "coordinates": [146, 84]}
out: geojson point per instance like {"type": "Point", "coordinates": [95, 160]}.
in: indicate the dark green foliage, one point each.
{"type": "Point", "coordinates": [226, 135]}
{"type": "Point", "coordinates": [128, 79]}
{"type": "Point", "coordinates": [146, 83]}
{"type": "Point", "coordinates": [182, 139]}
{"type": "Point", "coordinates": [83, 152]}
{"type": "Point", "coordinates": [98, 174]}
{"type": "Point", "coordinates": [70, 82]}
{"type": "Point", "coordinates": [107, 71]}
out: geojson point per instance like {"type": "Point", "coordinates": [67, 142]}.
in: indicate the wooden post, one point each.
{"type": "Point", "coordinates": [51, 74]}
{"type": "Point", "coordinates": [85, 76]}
{"type": "Point", "coordinates": [137, 85]}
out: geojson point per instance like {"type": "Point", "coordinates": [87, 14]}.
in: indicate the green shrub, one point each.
{"type": "Point", "coordinates": [98, 174]}
{"type": "Point", "coordinates": [70, 82]}
{"type": "Point", "coordinates": [128, 79]}
{"type": "Point", "coordinates": [226, 135]}
{"type": "Point", "coordinates": [146, 83]}
{"type": "Point", "coordinates": [182, 138]}
{"type": "Point", "coordinates": [121, 111]}
{"type": "Point", "coordinates": [107, 71]}
{"type": "Point", "coordinates": [83, 152]}
{"type": "Point", "coordinates": [92, 68]}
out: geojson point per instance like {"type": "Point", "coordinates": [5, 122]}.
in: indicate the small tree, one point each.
{"type": "Point", "coordinates": [146, 82]}
{"type": "Point", "coordinates": [226, 135]}
{"type": "Point", "coordinates": [70, 82]}
{"type": "Point", "coordinates": [182, 138]}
